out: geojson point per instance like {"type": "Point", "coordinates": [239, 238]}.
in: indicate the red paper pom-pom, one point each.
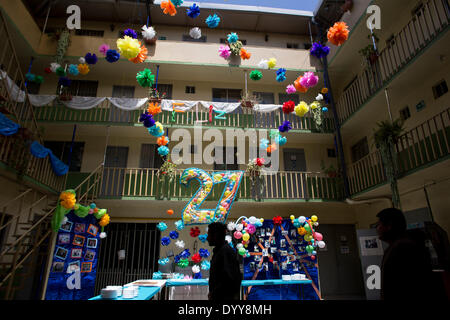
{"type": "Point", "coordinates": [260, 162]}
{"type": "Point", "coordinates": [48, 70]}
{"type": "Point", "coordinates": [196, 258]}
{"type": "Point", "coordinates": [288, 107]}
{"type": "Point", "coordinates": [277, 220]}
{"type": "Point", "coordinates": [195, 232]}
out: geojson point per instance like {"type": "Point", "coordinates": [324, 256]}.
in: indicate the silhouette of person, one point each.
{"type": "Point", "coordinates": [406, 272]}
{"type": "Point", "coordinates": [224, 275]}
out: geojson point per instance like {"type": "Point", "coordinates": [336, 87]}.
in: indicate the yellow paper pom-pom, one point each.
{"type": "Point", "coordinates": [104, 221]}
{"type": "Point", "coordinates": [83, 69]}
{"type": "Point", "coordinates": [272, 63]}
{"type": "Point", "coordinates": [67, 200]}
{"type": "Point", "coordinates": [129, 47]}
{"type": "Point", "coordinates": [301, 109]}
{"type": "Point", "coordinates": [315, 105]}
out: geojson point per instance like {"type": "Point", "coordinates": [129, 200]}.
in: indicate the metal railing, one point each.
{"type": "Point", "coordinates": [107, 113]}
{"type": "Point", "coordinates": [28, 241]}
{"type": "Point", "coordinates": [426, 25]}
{"type": "Point", "coordinates": [284, 185]}
{"type": "Point", "coordinates": [420, 146]}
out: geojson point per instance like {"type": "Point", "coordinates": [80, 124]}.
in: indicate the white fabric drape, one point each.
{"type": "Point", "coordinates": [183, 105]}
{"type": "Point", "coordinates": [14, 91]}
{"type": "Point", "coordinates": [221, 106]}
{"type": "Point", "coordinates": [40, 100]}
{"type": "Point", "coordinates": [83, 103]}
{"type": "Point", "coordinates": [128, 103]}
{"type": "Point", "coordinates": [266, 107]}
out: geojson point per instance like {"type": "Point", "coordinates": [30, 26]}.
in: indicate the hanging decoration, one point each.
{"type": "Point", "coordinates": [318, 50]}
{"type": "Point", "coordinates": [288, 107]}
{"type": "Point", "coordinates": [263, 64]}
{"type": "Point", "coordinates": [338, 33]}
{"type": "Point", "coordinates": [177, 3]}
{"type": "Point", "coordinates": [161, 226]}
{"type": "Point", "coordinates": [309, 80]}
{"type": "Point", "coordinates": [193, 11]}
{"type": "Point", "coordinates": [91, 58]}
{"type": "Point", "coordinates": [281, 75]}
{"type": "Point", "coordinates": [128, 47]}
{"type": "Point", "coordinates": [290, 89]}
{"type": "Point", "coordinates": [145, 78]}
{"type": "Point", "coordinates": [168, 8]}
{"type": "Point", "coordinates": [83, 69]}
{"type": "Point", "coordinates": [255, 75]}
{"type": "Point", "coordinates": [271, 63]}
{"type": "Point", "coordinates": [301, 109]}
{"type": "Point", "coordinates": [147, 120]}
{"type": "Point", "coordinates": [64, 81]}
{"type": "Point", "coordinates": [130, 33]}
{"type": "Point", "coordinates": [73, 70]}
{"type": "Point", "coordinates": [299, 87]}
{"type": "Point", "coordinates": [54, 66]}
{"type": "Point", "coordinates": [162, 141]}
{"type": "Point", "coordinates": [285, 127]}
{"type": "Point", "coordinates": [140, 58]}
{"type": "Point", "coordinates": [148, 33]}
{"type": "Point", "coordinates": [232, 38]}
{"type": "Point", "coordinates": [154, 108]}
{"type": "Point", "coordinates": [245, 55]}
{"type": "Point", "coordinates": [213, 21]}
{"type": "Point", "coordinates": [163, 151]}
{"type": "Point", "coordinates": [224, 52]}
{"type": "Point", "coordinates": [103, 49]}
{"type": "Point", "coordinates": [61, 72]}
{"type": "Point", "coordinates": [112, 56]}
{"type": "Point", "coordinates": [195, 33]}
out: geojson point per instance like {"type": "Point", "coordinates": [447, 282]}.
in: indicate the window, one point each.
{"type": "Point", "coordinates": [61, 149]}
{"type": "Point", "coordinates": [224, 40]}
{"type": "Point", "coordinates": [162, 38]}
{"type": "Point", "coordinates": [292, 45]}
{"type": "Point", "coordinates": [89, 33]}
{"type": "Point", "coordinates": [85, 88]}
{"type": "Point", "coordinates": [226, 95]}
{"type": "Point", "coordinates": [187, 37]}
{"type": "Point", "coordinates": [229, 159]}
{"type": "Point", "coordinates": [190, 89]}
{"type": "Point", "coordinates": [265, 97]}
{"type": "Point", "coordinates": [123, 92]}
{"type": "Point", "coordinates": [284, 97]}
{"type": "Point", "coordinates": [360, 150]}
{"type": "Point", "coordinates": [165, 88]}
{"type": "Point", "coordinates": [331, 153]}
{"type": "Point", "coordinates": [440, 89]}
{"type": "Point", "coordinates": [405, 113]}
{"type": "Point", "coordinates": [150, 157]}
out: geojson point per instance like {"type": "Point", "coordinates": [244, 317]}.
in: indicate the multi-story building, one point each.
{"type": "Point", "coordinates": [114, 160]}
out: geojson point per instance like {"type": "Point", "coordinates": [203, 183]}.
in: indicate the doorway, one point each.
{"type": "Point", "coordinates": [114, 172]}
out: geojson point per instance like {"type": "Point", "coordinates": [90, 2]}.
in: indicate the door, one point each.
{"type": "Point", "coordinates": [339, 263]}
{"type": "Point", "coordinates": [114, 172]}
{"type": "Point", "coordinates": [294, 180]}
{"type": "Point", "coordinates": [148, 156]}
{"type": "Point", "coordinates": [139, 246]}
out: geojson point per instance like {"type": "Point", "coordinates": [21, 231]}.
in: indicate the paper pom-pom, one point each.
{"type": "Point", "coordinates": [263, 64]}
{"type": "Point", "coordinates": [285, 127]}
{"type": "Point", "coordinates": [163, 151]}
{"type": "Point", "coordinates": [301, 109]}
{"type": "Point", "coordinates": [309, 80]}
{"type": "Point", "coordinates": [141, 56]}
{"type": "Point", "coordinates": [73, 70]}
{"type": "Point", "coordinates": [168, 8]}
{"type": "Point", "coordinates": [131, 33]}
{"type": "Point", "coordinates": [204, 253]}
{"type": "Point", "coordinates": [280, 140]}
{"type": "Point", "coordinates": [193, 11]}
{"type": "Point", "coordinates": [315, 105]}
{"type": "Point", "coordinates": [260, 162]}
{"type": "Point", "coordinates": [183, 263]}
{"type": "Point", "coordinates": [161, 226]}
{"type": "Point", "coordinates": [179, 224]}
{"type": "Point", "coordinates": [61, 72]}
{"type": "Point", "coordinates": [231, 226]}
{"type": "Point", "coordinates": [147, 119]}
{"type": "Point", "coordinates": [319, 51]}
{"type": "Point", "coordinates": [112, 56]}
{"type": "Point", "coordinates": [156, 130]}
{"type": "Point", "coordinates": [165, 241]}
{"type": "Point", "coordinates": [206, 265]}
{"type": "Point", "coordinates": [224, 52]}
{"type": "Point", "coordinates": [81, 60]}
{"type": "Point", "coordinates": [196, 258]}
{"type": "Point", "coordinates": [162, 141]}
{"type": "Point", "coordinates": [277, 220]}
{"type": "Point", "coordinates": [203, 238]}
{"type": "Point", "coordinates": [232, 37]}
{"type": "Point", "coordinates": [319, 97]}
{"type": "Point", "coordinates": [48, 70]}
{"type": "Point", "coordinates": [145, 78]}
{"type": "Point", "coordinates": [65, 82]}
{"type": "Point", "coordinates": [324, 109]}
{"type": "Point", "coordinates": [128, 47]}
{"type": "Point", "coordinates": [104, 221]}
{"type": "Point", "coordinates": [30, 77]}
{"type": "Point", "coordinates": [281, 77]}
{"type": "Point", "coordinates": [194, 232]}
{"type": "Point", "coordinates": [263, 144]}
{"type": "Point", "coordinates": [290, 89]}
{"type": "Point", "coordinates": [67, 200]}
{"type": "Point", "coordinates": [153, 108]}
{"type": "Point", "coordinates": [148, 33]}
{"type": "Point", "coordinates": [103, 49]}
{"type": "Point", "coordinates": [338, 33]}
{"type": "Point", "coordinates": [212, 21]}
{"type": "Point", "coordinates": [173, 235]}
{"type": "Point", "coordinates": [195, 269]}
{"type": "Point", "coordinates": [38, 79]}
{"type": "Point", "coordinates": [185, 253]}
{"type": "Point", "coordinates": [272, 63]}
{"type": "Point", "coordinates": [163, 261]}
{"type": "Point", "coordinates": [288, 107]}
{"type": "Point", "coordinates": [91, 58]}
{"type": "Point", "coordinates": [256, 75]}
{"type": "Point", "coordinates": [102, 235]}
{"type": "Point", "coordinates": [54, 66]}
{"type": "Point", "coordinates": [195, 33]}
{"type": "Point", "coordinates": [299, 87]}
{"type": "Point", "coordinates": [180, 244]}
{"type": "Point", "coordinates": [245, 55]}
{"type": "Point", "coordinates": [324, 90]}
{"type": "Point", "coordinates": [83, 69]}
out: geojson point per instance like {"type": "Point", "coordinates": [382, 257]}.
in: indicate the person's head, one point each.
{"type": "Point", "coordinates": [391, 224]}
{"type": "Point", "coordinates": [216, 233]}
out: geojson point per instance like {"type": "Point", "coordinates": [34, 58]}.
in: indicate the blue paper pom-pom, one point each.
{"type": "Point", "coordinates": [264, 143]}
{"type": "Point", "coordinates": [232, 37]}
{"type": "Point", "coordinates": [147, 119]}
{"type": "Point", "coordinates": [281, 71]}
{"type": "Point", "coordinates": [165, 241]}
{"type": "Point", "coordinates": [281, 77]}
{"type": "Point", "coordinates": [285, 127]}
{"type": "Point", "coordinates": [319, 51]}
{"type": "Point", "coordinates": [197, 275]}
{"type": "Point", "coordinates": [185, 254]}
{"type": "Point", "coordinates": [179, 225]}
{"type": "Point", "coordinates": [206, 265]}
{"type": "Point", "coordinates": [30, 77]}
{"type": "Point", "coordinates": [176, 259]}
{"type": "Point", "coordinates": [212, 21]}
{"type": "Point", "coordinates": [173, 235]}
{"type": "Point", "coordinates": [281, 141]}
{"type": "Point", "coordinates": [73, 70]}
{"type": "Point", "coordinates": [163, 151]}
{"type": "Point", "coordinates": [203, 237]}
{"type": "Point", "coordinates": [90, 58]}
{"type": "Point", "coordinates": [155, 131]}
{"type": "Point", "coordinates": [324, 109]}
{"type": "Point", "coordinates": [131, 33]}
{"type": "Point", "coordinates": [177, 3]}
{"type": "Point", "coordinates": [204, 253]}
{"type": "Point", "coordinates": [161, 226]}
{"type": "Point", "coordinates": [112, 56]}
{"type": "Point", "coordinates": [193, 11]}
{"type": "Point", "coordinates": [65, 82]}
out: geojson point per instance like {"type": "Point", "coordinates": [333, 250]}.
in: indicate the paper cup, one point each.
{"type": "Point", "coordinates": [109, 293]}
{"type": "Point", "coordinates": [128, 293]}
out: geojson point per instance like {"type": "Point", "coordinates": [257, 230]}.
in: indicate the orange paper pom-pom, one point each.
{"type": "Point", "coordinates": [153, 108]}
{"type": "Point", "coordinates": [162, 141]}
{"type": "Point", "coordinates": [324, 90]}
{"type": "Point", "coordinates": [299, 87]}
{"type": "Point", "coordinates": [170, 212]}
{"type": "Point", "coordinates": [168, 8]}
{"type": "Point", "coordinates": [338, 33]}
{"type": "Point", "coordinates": [141, 56]}
{"type": "Point", "coordinates": [245, 55]}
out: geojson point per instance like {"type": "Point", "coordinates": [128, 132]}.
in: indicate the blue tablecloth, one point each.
{"type": "Point", "coordinates": [272, 282]}
{"type": "Point", "coordinates": [193, 282]}
{"type": "Point", "coordinates": [145, 293]}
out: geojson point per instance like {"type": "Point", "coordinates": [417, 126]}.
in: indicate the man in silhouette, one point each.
{"type": "Point", "coordinates": [224, 276]}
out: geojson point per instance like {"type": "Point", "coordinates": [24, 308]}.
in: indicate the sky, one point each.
{"type": "Point", "coordinates": [308, 5]}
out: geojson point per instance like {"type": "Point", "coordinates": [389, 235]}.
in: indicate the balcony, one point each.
{"type": "Point", "coordinates": [427, 26]}
{"type": "Point", "coordinates": [418, 148]}
{"type": "Point", "coordinates": [244, 118]}
{"type": "Point", "coordinates": [144, 184]}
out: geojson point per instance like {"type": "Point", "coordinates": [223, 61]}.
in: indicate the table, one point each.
{"type": "Point", "coordinates": [145, 293]}
{"type": "Point", "coordinates": [270, 282]}
{"type": "Point", "coordinates": [181, 282]}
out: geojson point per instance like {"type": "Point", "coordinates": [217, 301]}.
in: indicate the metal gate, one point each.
{"type": "Point", "coordinates": [141, 244]}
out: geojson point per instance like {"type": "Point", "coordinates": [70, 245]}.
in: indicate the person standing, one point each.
{"type": "Point", "coordinates": [224, 276]}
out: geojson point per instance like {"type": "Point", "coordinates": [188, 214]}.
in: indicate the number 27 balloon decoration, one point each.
{"type": "Point", "coordinates": [192, 214]}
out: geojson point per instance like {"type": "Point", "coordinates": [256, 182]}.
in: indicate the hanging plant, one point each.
{"type": "Point", "coordinates": [369, 53]}
{"type": "Point", "coordinates": [248, 101]}
{"type": "Point", "coordinates": [253, 170]}
{"type": "Point", "coordinates": [168, 169]}
{"type": "Point", "coordinates": [64, 41]}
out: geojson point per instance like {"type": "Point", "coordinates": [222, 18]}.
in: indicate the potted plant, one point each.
{"type": "Point", "coordinates": [248, 101]}
{"type": "Point", "coordinates": [155, 95]}
{"type": "Point", "coordinates": [369, 52]}
{"type": "Point", "coordinates": [330, 171]}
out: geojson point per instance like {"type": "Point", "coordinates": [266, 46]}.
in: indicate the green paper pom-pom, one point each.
{"type": "Point", "coordinates": [145, 78]}
{"type": "Point", "coordinates": [61, 72]}
{"type": "Point", "coordinates": [39, 79]}
{"type": "Point", "coordinates": [183, 263]}
{"type": "Point", "coordinates": [255, 75]}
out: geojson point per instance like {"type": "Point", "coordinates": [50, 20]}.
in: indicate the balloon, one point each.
{"type": "Point", "coordinates": [307, 237]}
{"type": "Point", "coordinates": [246, 237]}
{"type": "Point", "coordinates": [292, 217]}
{"type": "Point", "coordinates": [252, 220]}
{"type": "Point", "coordinates": [301, 219]}
{"type": "Point", "coordinates": [318, 236]}
{"type": "Point", "coordinates": [307, 227]}
{"type": "Point", "coordinates": [309, 248]}
{"type": "Point", "coordinates": [242, 251]}
{"type": "Point", "coordinates": [239, 227]}
{"type": "Point", "coordinates": [314, 218]}
{"type": "Point", "coordinates": [313, 257]}
{"type": "Point", "coordinates": [301, 231]}
{"type": "Point", "coordinates": [321, 244]}
{"type": "Point", "coordinates": [239, 245]}
{"type": "Point", "coordinates": [237, 234]}
{"type": "Point", "coordinates": [170, 212]}
{"type": "Point", "coordinates": [316, 224]}
{"type": "Point", "coordinates": [231, 226]}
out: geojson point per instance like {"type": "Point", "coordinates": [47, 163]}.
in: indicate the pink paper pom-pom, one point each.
{"type": "Point", "coordinates": [103, 49]}
{"type": "Point", "coordinates": [290, 89]}
{"type": "Point", "coordinates": [309, 80]}
{"type": "Point", "coordinates": [224, 52]}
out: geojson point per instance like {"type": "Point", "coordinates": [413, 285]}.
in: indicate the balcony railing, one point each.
{"type": "Point", "coordinates": [418, 147]}
{"type": "Point", "coordinates": [144, 183]}
{"type": "Point", "coordinates": [426, 25]}
{"type": "Point", "coordinates": [106, 113]}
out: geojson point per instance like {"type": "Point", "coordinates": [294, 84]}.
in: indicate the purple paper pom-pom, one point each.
{"type": "Point", "coordinates": [147, 119]}
{"type": "Point", "coordinates": [65, 82]}
{"type": "Point", "coordinates": [112, 56]}
{"type": "Point", "coordinates": [131, 33]}
{"type": "Point", "coordinates": [319, 51]}
{"type": "Point", "coordinates": [285, 127]}
{"type": "Point", "coordinates": [91, 58]}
